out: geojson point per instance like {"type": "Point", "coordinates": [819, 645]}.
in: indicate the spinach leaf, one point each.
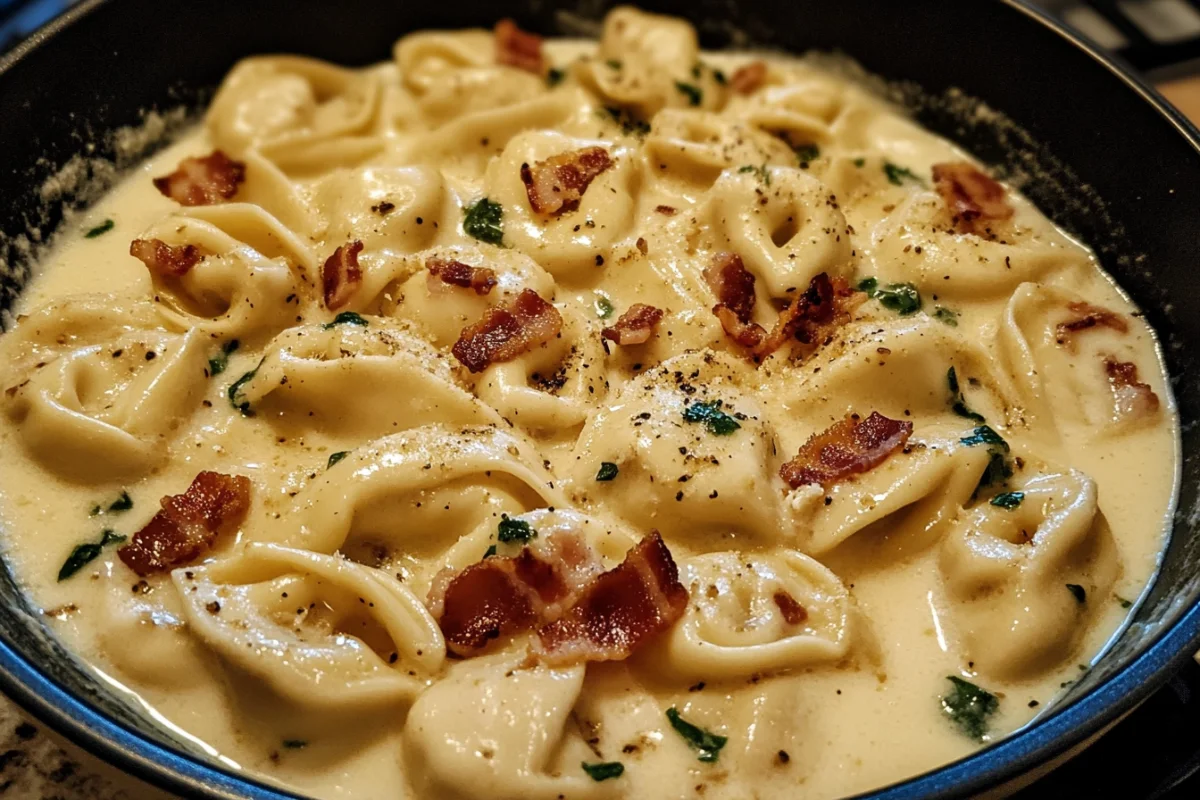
{"type": "Point", "coordinates": [958, 402]}
{"type": "Point", "coordinates": [707, 745]}
{"type": "Point", "coordinates": [218, 363]}
{"type": "Point", "coordinates": [484, 220]}
{"type": "Point", "coordinates": [100, 230]}
{"type": "Point", "coordinates": [604, 770]}
{"type": "Point", "coordinates": [1008, 500]}
{"type": "Point", "coordinates": [514, 530]}
{"type": "Point", "coordinates": [608, 471]}
{"type": "Point", "coordinates": [969, 706]}
{"type": "Point", "coordinates": [86, 553]}
{"type": "Point", "coordinates": [715, 420]}
{"type": "Point", "coordinates": [346, 318]}
{"type": "Point", "coordinates": [897, 175]}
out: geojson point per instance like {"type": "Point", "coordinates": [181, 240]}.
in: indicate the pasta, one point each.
{"type": "Point", "coordinates": [572, 419]}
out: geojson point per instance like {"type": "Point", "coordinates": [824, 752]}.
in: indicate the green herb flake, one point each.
{"type": "Point", "coordinates": [218, 363]}
{"type": "Point", "coordinates": [997, 471]}
{"type": "Point", "coordinates": [603, 306]}
{"type": "Point", "coordinates": [719, 77]}
{"type": "Point", "coordinates": [514, 530]}
{"type": "Point", "coordinates": [1122, 601]}
{"type": "Point", "coordinates": [762, 172]}
{"type": "Point", "coordinates": [85, 554]}
{"type": "Point", "coordinates": [603, 771]}
{"type": "Point", "coordinates": [903, 298]}
{"type": "Point", "coordinates": [969, 707]}
{"type": "Point", "coordinates": [346, 318]}
{"type": "Point", "coordinates": [868, 285]}
{"type": "Point", "coordinates": [897, 175]}
{"type": "Point", "coordinates": [630, 124]}
{"type": "Point", "coordinates": [859, 162]}
{"type": "Point", "coordinates": [1008, 500]}
{"type": "Point", "coordinates": [236, 398]}
{"type": "Point", "coordinates": [336, 457]}
{"type": "Point", "coordinates": [555, 76]}
{"type": "Point", "coordinates": [122, 503]}
{"type": "Point", "coordinates": [491, 551]}
{"type": "Point", "coordinates": [807, 153]}
{"type": "Point", "coordinates": [946, 316]}
{"type": "Point", "coordinates": [100, 230]}
{"type": "Point", "coordinates": [694, 95]}
{"type": "Point", "coordinates": [1078, 591]}
{"type": "Point", "coordinates": [614, 63]}
{"type": "Point", "coordinates": [295, 744]}
{"type": "Point", "coordinates": [707, 745]}
{"type": "Point", "coordinates": [484, 220]}
{"type": "Point", "coordinates": [608, 471]}
{"type": "Point", "coordinates": [984, 435]}
{"type": "Point", "coordinates": [715, 420]}
{"type": "Point", "coordinates": [957, 402]}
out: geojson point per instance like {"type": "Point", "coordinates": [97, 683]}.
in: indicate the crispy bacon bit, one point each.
{"type": "Point", "coordinates": [619, 610]}
{"type": "Point", "coordinates": [635, 325]}
{"type": "Point", "coordinates": [1088, 316]}
{"type": "Point", "coordinates": [164, 259]}
{"type": "Point", "coordinates": [557, 184]}
{"type": "Point", "coordinates": [748, 78]}
{"type": "Point", "coordinates": [505, 332]}
{"type": "Point", "coordinates": [518, 48]}
{"type": "Point", "coordinates": [456, 273]}
{"type": "Point", "coordinates": [847, 448]}
{"type": "Point", "coordinates": [825, 305]}
{"type": "Point", "coordinates": [793, 612]}
{"type": "Point", "coordinates": [733, 285]}
{"type": "Point", "coordinates": [1134, 398]}
{"type": "Point", "coordinates": [189, 523]}
{"type": "Point", "coordinates": [970, 194]}
{"type": "Point", "coordinates": [668, 211]}
{"type": "Point", "coordinates": [341, 275]}
{"type": "Point", "coordinates": [203, 181]}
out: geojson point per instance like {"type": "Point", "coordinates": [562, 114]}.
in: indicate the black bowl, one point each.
{"type": "Point", "coordinates": [1111, 162]}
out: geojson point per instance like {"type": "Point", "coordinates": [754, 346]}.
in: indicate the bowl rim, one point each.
{"type": "Point", "coordinates": [110, 740]}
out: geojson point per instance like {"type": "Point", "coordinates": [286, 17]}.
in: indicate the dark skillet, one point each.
{"type": "Point", "coordinates": [1111, 163]}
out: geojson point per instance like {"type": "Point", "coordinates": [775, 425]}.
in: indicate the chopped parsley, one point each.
{"type": "Point", "coordinates": [807, 153]}
{"type": "Point", "coordinates": [555, 76]}
{"type": "Point", "coordinates": [86, 553]}
{"type": "Point", "coordinates": [707, 745]}
{"type": "Point", "coordinates": [1078, 591]}
{"type": "Point", "coordinates": [694, 95]}
{"type": "Point", "coordinates": [859, 162]}
{"type": "Point", "coordinates": [122, 503]}
{"type": "Point", "coordinates": [484, 220]}
{"type": "Point", "coordinates": [897, 175]}
{"type": "Point", "coordinates": [1008, 500]}
{"type": "Point", "coordinates": [946, 316]}
{"type": "Point", "coordinates": [630, 125]}
{"type": "Point", "coordinates": [218, 363]}
{"type": "Point", "coordinates": [1123, 602]}
{"type": "Point", "coordinates": [984, 435]}
{"type": "Point", "coordinates": [958, 402]}
{"type": "Point", "coordinates": [969, 707]}
{"type": "Point", "coordinates": [491, 551]}
{"type": "Point", "coordinates": [336, 457]}
{"type": "Point", "coordinates": [903, 298]}
{"type": "Point", "coordinates": [295, 744]}
{"type": "Point", "coordinates": [762, 172]}
{"type": "Point", "coordinates": [236, 398]}
{"type": "Point", "coordinates": [100, 230]}
{"type": "Point", "coordinates": [719, 77]}
{"type": "Point", "coordinates": [608, 471]}
{"type": "Point", "coordinates": [346, 318]}
{"type": "Point", "coordinates": [603, 306]}
{"type": "Point", "coordinates": [715, 420]}
{"type": "Point", "coordinates": [614, 63]}
{"type": "Point", "coordinates": [604, 770]}
{"type": "Point", "coordinates": [514, 530]}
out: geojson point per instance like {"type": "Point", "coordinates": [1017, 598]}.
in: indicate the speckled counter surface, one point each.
{"type": "Point", "coordinates": [37, 765]}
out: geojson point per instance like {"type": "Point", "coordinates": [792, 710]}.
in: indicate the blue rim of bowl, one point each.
{"type": "Point", "coordinates": [1000, 763]}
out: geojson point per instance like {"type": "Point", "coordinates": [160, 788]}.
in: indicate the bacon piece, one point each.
{"type": "Point", "coordinates": [456, 273]}
{"type": "Point", "coordinates": [518, 48]}
{"type": "Point", "coordinates": [619, 610]}
{"type": "Point", "coordinates": [733, 285]}
{"type": "Point", "coordinates": [505, 332]}
{"type": "Point", "coordinates": [341, 275]}
{"type": "Point", "coordinates": [847, 448]}
{"type": "Point", "coordinates": [1134, 398]}
{"type": "Point", "coordinates": [970, 194]}
{"type": "Point", "coordinates": [749, 77]}
{"type": "Point", "coordinates": [826, 304]}
{"type": "Point", "coordinates": [189, 523]}
{"type": "Point", "coordinates": [203, 181]}
{"type": "Point", "coordinates": [1089, 316]}
{"type": "Point", "coordinates": [793, 612]}
{"type": "Point", "coordinates": [635, 325]}
{"type": "Point", "coordinates": [558, 183]}
{"type": "Point", "coordinates": [164, 259]}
